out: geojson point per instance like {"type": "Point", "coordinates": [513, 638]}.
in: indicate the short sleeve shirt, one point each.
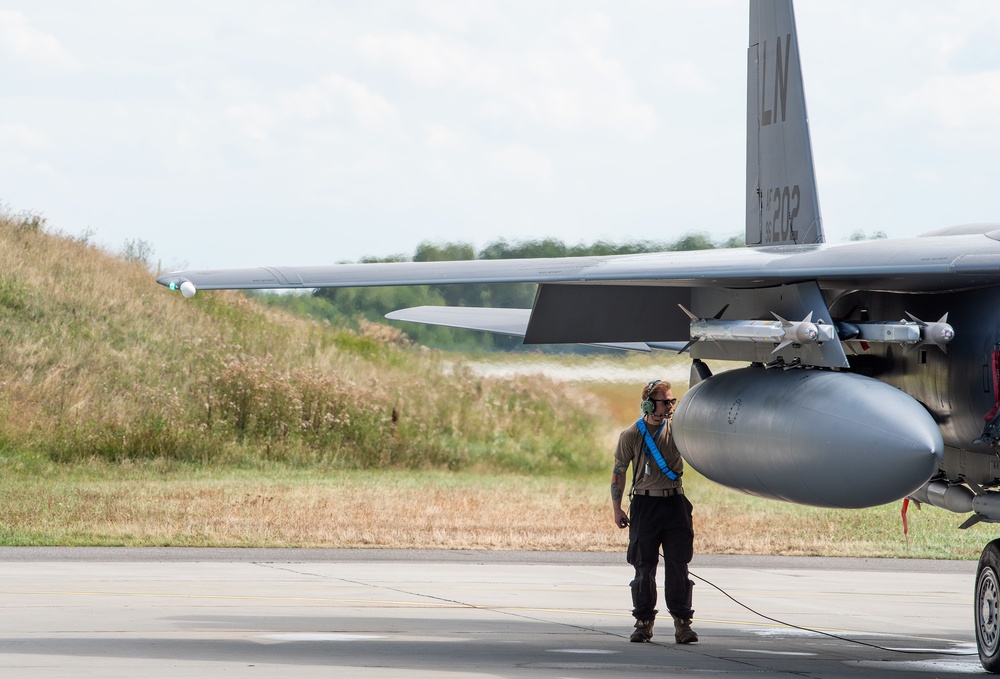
{"type": "Point", "coordinates": [631, 449]}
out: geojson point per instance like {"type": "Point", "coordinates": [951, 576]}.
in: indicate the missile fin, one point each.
{"type": "Point", "coordinates": [688, 345]}
{"type": "Point", "coordinates": [689, 314]}
{"type": "Point", "coordinates": [934, 329]}
{"type": "Point", "coordinates": [723, 310]}
{"type": "Point", "coordinates": [971, 521]}
{"type": "Point", "coordinates": [849, 315]}
{"type": "Point", "coordinates": [781, 346]}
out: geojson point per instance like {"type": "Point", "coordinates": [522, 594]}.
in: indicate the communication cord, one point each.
{"type": "Point", "coordinates": [826, 634]}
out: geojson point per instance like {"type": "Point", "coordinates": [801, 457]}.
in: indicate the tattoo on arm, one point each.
{"type": "Point", "coordinates": [618, 481]}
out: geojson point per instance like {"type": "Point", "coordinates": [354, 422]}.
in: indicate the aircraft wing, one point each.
{"type": "Point", "coordinates": [923, 264]}
{"type": "Point", "coordinates": [629, 299]}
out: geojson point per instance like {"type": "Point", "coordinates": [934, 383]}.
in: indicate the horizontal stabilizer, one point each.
{"type": "Point", "coordinates": [502, 321]}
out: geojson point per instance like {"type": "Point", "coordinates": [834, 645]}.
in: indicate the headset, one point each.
{"type": "Point", "coordinates": [648, 406]}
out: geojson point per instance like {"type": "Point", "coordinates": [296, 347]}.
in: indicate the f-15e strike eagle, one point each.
{"type": "Point", "coordinates": [854, 395]}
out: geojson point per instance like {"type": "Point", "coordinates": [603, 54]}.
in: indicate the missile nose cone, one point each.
{"type": "Point", "coordinates": [807, 332]}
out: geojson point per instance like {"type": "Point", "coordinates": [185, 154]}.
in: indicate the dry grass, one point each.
{"type": "Point", "coordinates": [430, 510]}
{"type": "Point", "coordinates": [355, 509]}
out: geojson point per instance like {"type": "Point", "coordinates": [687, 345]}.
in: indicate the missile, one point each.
{"type": "Point", "coordinates": [814, 437]}
{"type": "Point", "coordinates": [780, 332]}
{"type": "Point", "coordinates": [914, 332]}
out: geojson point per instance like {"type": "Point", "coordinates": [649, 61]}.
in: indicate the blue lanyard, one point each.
{"type": "Point", "coordinates": [654, 451]}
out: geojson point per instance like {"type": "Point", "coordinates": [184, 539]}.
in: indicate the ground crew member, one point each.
{"type": "Point", "coordinates": [659, 514]}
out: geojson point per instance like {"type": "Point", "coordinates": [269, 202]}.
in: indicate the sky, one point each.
{"type": "Point", "coordinates": [229, 134]}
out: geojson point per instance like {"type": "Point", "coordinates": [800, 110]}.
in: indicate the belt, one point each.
{"type": "Point", "coordinates": [666, 492]}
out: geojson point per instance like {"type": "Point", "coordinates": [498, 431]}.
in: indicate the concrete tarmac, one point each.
{"type": "Point", "coordinates": [172, 612]}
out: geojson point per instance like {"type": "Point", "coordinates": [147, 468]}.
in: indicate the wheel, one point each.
{"type": "Point", "coordinates": [987, 607]}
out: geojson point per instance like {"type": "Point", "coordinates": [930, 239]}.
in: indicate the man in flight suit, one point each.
{"type": "Point", "coordinates": [659, 515]}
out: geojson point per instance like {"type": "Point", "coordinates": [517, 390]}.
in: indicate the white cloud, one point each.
{"type": "Point", "coordinates": [953, 101]}
{"type": "Point", "coordinates": [22, 42]}
{"type": "Point", "coordinates": [442, 137]}
{"type": "Point", "coordinates": [687, 76]}
{"type": "Point", "coordinates": [457, 16]}
{"type": "Point", "coordinates": [564, 81]}
{"type": "Point", "coordinates": [427, 60]}
{"type": "Point", "coordinates": [254, 120]}
{"type": "Point", "coordinates": [22, 136]}
{"type": "Point", "coordinates": [523, 163]}
{"type": "Point", "coordinates": [321, 102]}
{"type": "Point", "coordinates": [586, 30]}
{"type": "Point", "coordinates": [370, 109]}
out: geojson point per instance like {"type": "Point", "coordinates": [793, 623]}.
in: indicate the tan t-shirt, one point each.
{"type": "Point", "coordinates": [631, 449]}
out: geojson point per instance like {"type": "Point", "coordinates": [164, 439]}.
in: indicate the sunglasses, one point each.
{"type": "Point", "coordinates": [668, 401]}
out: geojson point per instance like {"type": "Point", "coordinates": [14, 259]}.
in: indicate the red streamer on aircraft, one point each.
{"type": "Point", "coordinates": [906, 528]}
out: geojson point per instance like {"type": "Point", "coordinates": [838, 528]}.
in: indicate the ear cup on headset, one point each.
{"type": "Point", "coordinates": [647, 406]}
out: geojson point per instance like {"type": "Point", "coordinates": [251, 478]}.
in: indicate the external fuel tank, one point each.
{"type": "Point", "coordinates": [814, 437]}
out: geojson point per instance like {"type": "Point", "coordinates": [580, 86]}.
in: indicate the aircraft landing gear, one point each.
{"type": "Point", "coordinates": [987, 607]}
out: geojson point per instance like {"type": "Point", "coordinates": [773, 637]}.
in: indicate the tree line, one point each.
{"type": "Point", "coordinates": [346, 306]}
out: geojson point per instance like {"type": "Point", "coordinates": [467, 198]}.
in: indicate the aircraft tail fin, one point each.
{"type": "Point", "coordinates": [782, 205]}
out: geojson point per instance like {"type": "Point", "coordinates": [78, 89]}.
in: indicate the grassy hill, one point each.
{"type": "Point", "coordinates": [98, 362]}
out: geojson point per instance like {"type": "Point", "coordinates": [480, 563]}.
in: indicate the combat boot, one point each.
{"type": "Point", "coordinates": [643, 631]}
{"type": "Point", "coordinates": [682, 631]}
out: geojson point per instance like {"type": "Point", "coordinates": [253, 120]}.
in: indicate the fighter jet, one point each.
{"type": "Point", "coordinates": [846, 398]}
